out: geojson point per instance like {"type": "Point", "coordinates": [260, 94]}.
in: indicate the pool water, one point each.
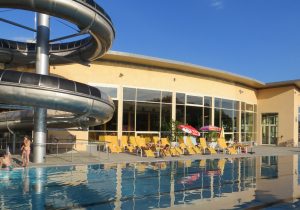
{"type": "Point", "coordinates": [236, 183]}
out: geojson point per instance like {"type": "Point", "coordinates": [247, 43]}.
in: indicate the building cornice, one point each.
{"type": "Point", "coordinates": [134, 59]}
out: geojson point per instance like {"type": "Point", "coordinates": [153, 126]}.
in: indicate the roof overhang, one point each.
{"type": "Point", "coordinates": [295, 83]}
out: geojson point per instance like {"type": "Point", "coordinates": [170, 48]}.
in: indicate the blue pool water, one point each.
{"type": "Point", "coordinates": [228, 183]}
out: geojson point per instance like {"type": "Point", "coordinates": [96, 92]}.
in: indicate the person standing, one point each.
{"type": "Point", "coordinates": [25, 151]}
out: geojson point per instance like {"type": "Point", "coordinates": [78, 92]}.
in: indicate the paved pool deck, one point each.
{"type": "Point", "coordinates": [103, 157]}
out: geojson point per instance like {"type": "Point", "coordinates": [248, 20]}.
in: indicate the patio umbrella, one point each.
{"type": "Point", "coordinates": [189, 129]}
{"type": "Point", "coordinates": [222, 133]}
{"type": "Point", "coordinates": [210, 128]}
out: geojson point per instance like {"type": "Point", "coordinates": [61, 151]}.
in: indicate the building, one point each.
{"type": "Point", "coordinates": [149, 92]}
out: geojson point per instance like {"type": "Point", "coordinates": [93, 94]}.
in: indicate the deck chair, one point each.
{"type": "Point", "coordinates": [223, 146]}
{"type": "Point", "coordinates": [174, 152]}
{"type": "Point", "coordinates": [205, 147]}
{"type": "Point", "coordinates": [188, 149]}
{"type": "Point", "coordinates": [164, 142]}
{"type": "Point", "coordinates": [112, 144]}
{"type": "Point", "coordinates": [179, 150]}
{"type": "Point", "coordinates": [125, 146]}
{"type": "Point", "coordinates": [141, 143]}
{"type": "Point", "coordinates": [132, 141]}
{"type": "Point", "coordinates": [190, 144]}
{"type": "Point", "coordinates": [155, 139]}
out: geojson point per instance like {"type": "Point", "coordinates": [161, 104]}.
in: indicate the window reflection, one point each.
{"type": "Point", "coordinates": [148, 95]}
{"type": "Point", "coordinates": [207, 101]}
{"type": "Point", "coordinates": [227, 104]}
{"type": "Point", "coordinates": [180, 113]}
{"type": "Point", "coordinates": [166, 115]}
{"type": "Point", "coordinates": [180, 98]}
{"type": "Point", "coordinates": [207, 116]}
{"type": "Point", "coordinates": [194, 116]}
{"type": "Point", "coordinates": [128, 116]}
{"type": "Point", "coordinates": [269, 167]}
{"type": "Point", "coordinates": [166, 97]}
{"type": "Point", "coordinates": [194, 100]}
{"type": "Point", "coordinates": [147, 116]}
{"type": "Point", "coordinates": [111, 91]}
{"type": "Point", "coordinates": [129, 94]}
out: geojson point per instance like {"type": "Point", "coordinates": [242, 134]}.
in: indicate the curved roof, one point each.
{"type": "Point", "coordinates": [114, 56]}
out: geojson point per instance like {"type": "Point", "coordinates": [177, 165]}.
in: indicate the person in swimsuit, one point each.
{"type": "Point", "coordinates": [25, 151]}
{"type": "Point", "coordinates": [6, 161]}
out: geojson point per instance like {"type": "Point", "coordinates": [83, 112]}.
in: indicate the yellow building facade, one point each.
{"type": "Point", "coordinates": [149, 93]}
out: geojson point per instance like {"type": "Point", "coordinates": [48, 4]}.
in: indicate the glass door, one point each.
{"type": "Point", "coordinates": [269, 128]}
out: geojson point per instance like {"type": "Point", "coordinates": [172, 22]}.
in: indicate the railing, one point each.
{"type": "Point", "coordinates": [79, 152]}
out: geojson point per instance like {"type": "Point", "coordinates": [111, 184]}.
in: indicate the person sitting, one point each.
{"type": "Point", "coordinates": [6, 161]}
{"type": "Point", "coordinates": [166, 150]}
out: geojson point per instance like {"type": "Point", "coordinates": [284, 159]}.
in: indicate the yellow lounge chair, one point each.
{"type": "Point", "coordinates": [112, 143]}
{"type": "Point", "coordinates": [124, 144]}
{"type": "Point", "coordinates": [179, 151]}
{"type": "Point", "coordinates": [189, 150]}
{"type": "Point", "coordinates": [141, 143]}
{"type": "Point", "coordinates": [185, 148]}
{"type": "Point", "coordinates": [223, 146]}
{"type": "Point", "coordinates": [171, 151]}
{"type": "Point", "coordinates": [205, 147]}
{"type": "Point", "coordinates": [190, 144]}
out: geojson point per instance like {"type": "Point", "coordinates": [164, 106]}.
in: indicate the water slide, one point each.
{"type": "Point", "coordinates": [69, 103]}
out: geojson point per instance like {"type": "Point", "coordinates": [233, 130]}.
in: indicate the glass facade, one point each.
{"type": "Point", "coordinates": [227, 116]}
{"type": "Point", "coordinates": [248, 122]}
{"type": "Point", "coordinates": [146, 110]}
{"type": "Point", "coordinates": [150, 111]}
{"type": "Point", "coordinates": [193, 110]}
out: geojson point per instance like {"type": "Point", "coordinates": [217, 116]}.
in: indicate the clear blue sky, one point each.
{"type": "Point", "coordinates": [255, 38]}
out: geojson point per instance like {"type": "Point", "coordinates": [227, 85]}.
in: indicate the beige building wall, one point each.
{"type": "Point", "coordinates": [121, 75]}
{"type": "Point", "coordinates": [279, 100]}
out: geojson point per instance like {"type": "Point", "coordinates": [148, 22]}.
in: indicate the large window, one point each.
{"type": "Point", "coordinates": [193, 110]}
{"type": "Point", "coordinates": [146, 110]}
{"type": "Point", "coordinates": [248, 122]}
{"type": "Point", "coordinates": [111, 127]}
{"type": "Point", "coordinates": [227, 116]}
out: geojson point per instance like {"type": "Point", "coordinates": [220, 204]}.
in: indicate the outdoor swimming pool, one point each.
{"type": "Point", "coordinates": [220, 183]}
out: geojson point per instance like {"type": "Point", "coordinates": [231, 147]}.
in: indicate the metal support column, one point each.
{"type": "Point", "coordinates": [42, 67]}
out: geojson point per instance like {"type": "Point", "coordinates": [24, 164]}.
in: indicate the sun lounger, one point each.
{"type": "Point", "coordinates": [141, 144]}
{"type": "Point", "coordinates": [111, 143]}
{"type": "Point", "coordinates": [223, 146]}
{"type": "Point", "coordinates": [190, 144]}
{"type": "Point", "coordinates": [205, 147]}
{"type": "Point", "coordinates": [125, 146]}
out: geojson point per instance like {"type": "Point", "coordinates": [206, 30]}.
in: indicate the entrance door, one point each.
{"type": "Point", "coordinates": [269, 128]}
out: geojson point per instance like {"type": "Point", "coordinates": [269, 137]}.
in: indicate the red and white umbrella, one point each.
{"type": "Point", "coordinates": [189, 129]}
